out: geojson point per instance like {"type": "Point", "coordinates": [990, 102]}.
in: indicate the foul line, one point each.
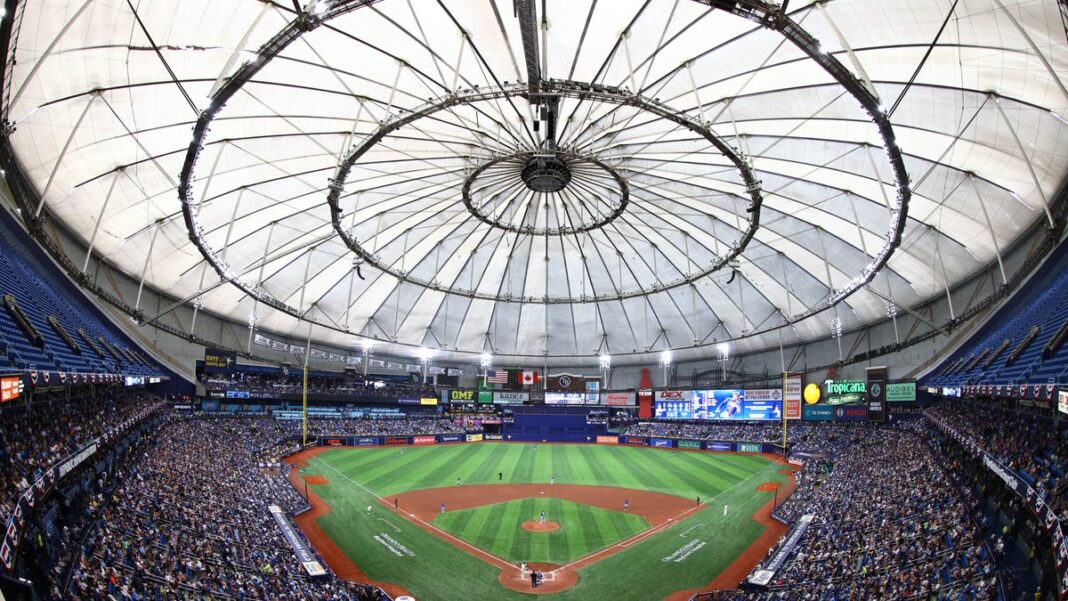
{"type": "Point", "coordinates": [390, 524]}
{"type": "Point", "coordinates": [687, 531]}
{"type": "Point", "coordinates": [428, 525]}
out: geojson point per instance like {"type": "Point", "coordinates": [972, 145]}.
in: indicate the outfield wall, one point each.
{"type": "Point", "coordinates": [736, 446]}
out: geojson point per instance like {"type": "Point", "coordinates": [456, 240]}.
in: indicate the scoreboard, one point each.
{"type": "Point", "coordinates": [11, 388]}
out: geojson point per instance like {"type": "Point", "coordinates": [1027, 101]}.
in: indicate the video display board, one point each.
{"type": "Point", "coordinates": [719, 405]}
{"type": "Point", "coordinates": [11, 388]}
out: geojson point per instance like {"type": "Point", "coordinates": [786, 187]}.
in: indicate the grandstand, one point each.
{"type": "Point", "coordinates": [693, 300]}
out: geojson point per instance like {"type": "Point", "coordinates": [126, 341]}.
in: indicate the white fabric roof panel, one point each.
{"type": "Point", "coordinates": [543, 275]}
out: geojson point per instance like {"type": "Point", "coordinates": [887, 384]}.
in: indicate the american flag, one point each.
{"type": "Point", "coordinates": [496, 377]}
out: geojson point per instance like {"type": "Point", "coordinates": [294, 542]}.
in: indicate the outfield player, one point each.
{"type": "Point", "coordinates": [626, 504]}
{"type": "Point", "coordinates": [725, 510]}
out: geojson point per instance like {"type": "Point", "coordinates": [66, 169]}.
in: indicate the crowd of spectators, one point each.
{"type": "Point", "coordinates": [368, 426]}
{"type": "Point", "coordinates": [747, 431]}
{"type": "Point", "coordinates": [1034, 446]}
{"type": "Point", "coordinates": [273, 385]}
{"type": "Point", "coordinates": [888, 524]}
{"type": "Point", "coordinates": [191, 520]}
{"type": "Point", "coordinates": [36, 437]}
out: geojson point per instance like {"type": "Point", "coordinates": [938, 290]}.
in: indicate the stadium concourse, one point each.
{"type": "Point", "coordinates": [682, 300]}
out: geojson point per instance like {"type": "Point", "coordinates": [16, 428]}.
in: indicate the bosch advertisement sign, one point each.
{"type": "Point", "coordinates": [851, 413]}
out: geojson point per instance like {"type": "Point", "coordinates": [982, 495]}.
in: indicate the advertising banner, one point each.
{"type": "Point", "coordinates": [593, 392]}
{"type": "Point", "coordinates": [851, 413]}
{"type": "Point", "coordinates": [645, 395]}
{"type": "Point", "coordinates": [485, 396]}
{"type": "Point", "coordinates": [818, 413]}
{"type": "Point", "coordinates": [333, 442]}
{"type": "Point", "coordinates": [395, 440]}
{"type": "Point", "coordinates": [607, 440]}
{"type": "Point", "coordinates": [876, 394]}
{"type": "Point", "coordinates": [218, 361]}
{"type": "Point", "coordinates": [295, 541]}
{"type": "Point", "coordinates": [476, 438]}
{"type": "Point", "coordinates": [1062, 401]}
{"type": "Point", "coordinates": [763, 394]}
{"type": "Point", "coordinates": [491, 437]}
{"type": "Point", "coordinates": [618, 398]}
{"type": "Point", "coordinates": [900, 392]}
{"type": "Point", "coordinates": [366, 442]}
{"type": "Point", "coordinates": [458, 396]}
{"type": "Point", "coordinates": [451, 438]}
{"type": "Point", "coordinates": [717, 446]}
{"type": "Point", "coordinates": [843, 392]}
{"type": "Point", "coordinates": [689, 444]}
{"type": "Point", "coordinates": [792, 404]}
{"type": "Point", "coordinates": [662, 443]}
{"type": "Point", "coordinates": [11, 388]}
{"type": "Point", "coordinates": [633, 440]}
{"type": "Point", "coordinates": [421, 440]}
{"type": "Point", "coordinates": [749, 447]}
{"type": "Point", "coordinates": [511, 398]}
{"type": "Point", "coordinates": [428, 400]}
{"type": "Point", "coordinates": [565, 398]}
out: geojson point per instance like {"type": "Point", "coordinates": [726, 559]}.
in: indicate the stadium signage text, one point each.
{"type": "Point", "coordinates": [689, 444]}
{"type": "Point", "coordinates": [662, 443]}
{"type": "Point", "coordinates": [451, 438]}
{"type": "Point", "coordinates": [423, 440]}
{"type": "Point", "coordinates": [475, 438]}
{"type": "Point", "coordinates": [844, 387]}
{"type": "Point", "coordinates": [607, 440]}
{"type": "Point", "coordinates": [459, 396]}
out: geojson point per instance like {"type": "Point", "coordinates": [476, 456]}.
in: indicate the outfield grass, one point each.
{"type": "Point", "coordinates": [583, 529]}
{"type": "Point", "coordinates": [440, 571]}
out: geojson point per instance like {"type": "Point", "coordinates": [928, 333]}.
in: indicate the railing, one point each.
{"type": "Point", "coordinates": [1023, 345]}
{"type": "Point", "coordinates": [1056, 341]}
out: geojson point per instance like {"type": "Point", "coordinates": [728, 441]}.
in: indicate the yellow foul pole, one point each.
{"type": "Point", "coordinates": [784, 391]}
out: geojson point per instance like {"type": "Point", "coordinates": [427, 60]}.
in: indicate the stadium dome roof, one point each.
{"type": "Point", "coordinates": [542, 179]}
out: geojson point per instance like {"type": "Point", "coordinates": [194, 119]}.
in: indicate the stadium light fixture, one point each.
{"type": "Point", "coordinates": [605, 361]}
{"type": "Point", "coordinates": [425, 354]}
{"type": "Point", "coordinates": [665, 358]}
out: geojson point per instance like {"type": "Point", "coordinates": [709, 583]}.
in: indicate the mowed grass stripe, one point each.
{"type": "Point", "coordinates": [709, 468]}
{"type": "Point", "coordinates": [699, 470]}
{"type": "Point", "coordinates": [584, 529]}
{"type": "Point", "coordinates": [643, 471]}
{"type": "Point", "coordinates": [581, 468]}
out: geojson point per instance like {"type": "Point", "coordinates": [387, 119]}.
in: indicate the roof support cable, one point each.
{"type": "Point", "coordinates": [989, 226]}
{"type": "Point", "coordinates": [1027, 159]}
{"type": "Point", "coordinates": [923, 60]}
{"type": "Point", "coordinates": [166, 65]}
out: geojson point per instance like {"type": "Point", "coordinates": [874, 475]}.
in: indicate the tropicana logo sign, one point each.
{"type": "Point", "coordinates": [844, 387]}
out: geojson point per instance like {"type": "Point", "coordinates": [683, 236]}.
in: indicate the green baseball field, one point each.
{"type": "Point", "coordinates": [472, 521]}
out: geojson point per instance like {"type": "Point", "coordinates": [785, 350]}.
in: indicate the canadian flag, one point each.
{"type": "Point", "coordinates": [530, 378]}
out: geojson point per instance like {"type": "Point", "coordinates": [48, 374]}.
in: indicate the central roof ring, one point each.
{"type": "Point", "coordinates": [546, 174]}
{"type": "Point", "coordinates": [588, 193]}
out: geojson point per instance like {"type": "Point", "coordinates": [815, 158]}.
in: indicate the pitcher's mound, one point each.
{"type": "Point", "coordinates": [536, 526]}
